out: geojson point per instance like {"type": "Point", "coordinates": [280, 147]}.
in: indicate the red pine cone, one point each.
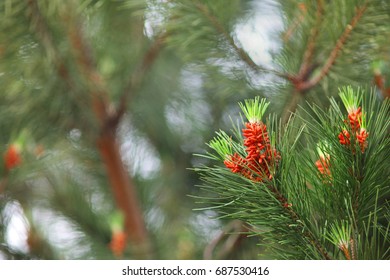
{"type": "Point", "coordinates": [355, 118]}
{"type": "Point", "coordinates": [12, 157]}
{"type": "Point", "coordinates": [118, 243]}
{"type": "Point", "coordinates": [235, 163]}
{"type": "Point", "coordinates": [260, 155]}
{"type": "Point", "coordinates": [362, 137]}
{"type": "Point", "coordinates": [345, 137]}
{"type": "Point", "coordinates": [323, 165]}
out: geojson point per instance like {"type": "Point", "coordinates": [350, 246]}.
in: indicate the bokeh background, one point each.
{"type": "Point", "coordinates": [105, 104]}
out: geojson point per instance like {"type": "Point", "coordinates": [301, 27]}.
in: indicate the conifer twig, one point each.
{"type": "Point", "coordinates": [345, 251]}
{"type": "Point", "coordinates": [298, 20]}
{"type": "Point", "coordinates": [123, 189]}
{"type": "Point", "coordinates": [87, 67]}
{"type": "Point", "coordinates": [305, 85]}
{"type": "Point", "coordinates": [306, 65]}
{"type": "Point", "coordinates": [295, 217]}
{"type": "Point", "coordinates": [302, 81]}
{"type": "Point", "coordinates": [353, 249]}
{"type": "Point", "coordinates": [44, 34]}
{"type": "Point", "coordinates": [122, 186]}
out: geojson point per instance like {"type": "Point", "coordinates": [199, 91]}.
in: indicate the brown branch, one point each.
{"type": "Point", "coordinates": [302, 81]}
{"type": "Point", "coordinates": [42, 31]}
{"type": "Point", "coordinates": [298, 20]}
{"type": "Point", "coordinates": [295, 217]}
{"type": "Point", "coordinates": [86, 65]}
{"type": "Point", "coordinates": [122, 187]}
{"type": "Point", "coordinates": [125, 195]}
{"type": "Point", "coordinates": [303, 85]}
{"type": "Point", "coordinates": [309, 52]}
{"type": "Point", "coordinates": [307, 66]}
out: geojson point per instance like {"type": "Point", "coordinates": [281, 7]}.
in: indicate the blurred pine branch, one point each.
{"type": "Point", "coordinates": [107, 102]}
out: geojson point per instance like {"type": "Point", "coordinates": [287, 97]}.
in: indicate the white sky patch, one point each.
{"type": "Point", "coordinates": [154, 17]}
{"type": "Point", "coordinates": [138, 153]}
{"type": "Point", "coordinates": [17, 229]}
{"type": "Point", "coordinates": [60, 233]}
{"type": "Point", "coordinates": [189, 112]}
{"type": "Point", "coordinates": [256, 33]}
{"type": "Point", "coordinates": [155, 218]}
{"type": "Point", "coordinates": [205, 224]}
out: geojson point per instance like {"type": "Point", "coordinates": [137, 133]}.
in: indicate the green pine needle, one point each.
{"type": "Point", "coordinates": [323, 148]}
{"type": "Point", "coordinates": [363, 121]}
{"type": "Point", "coordinates": [340, 234]}
{"type": "Point", "coordinates": [254, 109]}
{"type": "Point", "coordinates": [350, 98]}
{"type": "Point", "coordinates": [222, 144]}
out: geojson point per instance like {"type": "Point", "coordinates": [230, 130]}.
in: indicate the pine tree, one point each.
{"type": "Point", "coordinates": [105, 102]}
{"type": "Point", "coordinates": [312, 199]}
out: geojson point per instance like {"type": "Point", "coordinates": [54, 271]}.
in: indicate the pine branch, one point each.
{"type": "Point", "coordinates": [87, 67]}
{"type": "Point", "coordinates": [302, 81]}
{"type": "Point", "coordinates": [303, 85]}
{"type": "Point", "coordinates": [295, 217]}
{"type": "Point", "coordinates": [44, 34]}
{"type": "Point", "coordinates": [122, 186]}
{"type": "Point", "coordinates": [275, 194]}
{"type": "Point", "coordinates": [124, 194]}
{"type": "Point", "coordinates": [298, 20]}
{"type": "Point", "coordinates": [306, 66]}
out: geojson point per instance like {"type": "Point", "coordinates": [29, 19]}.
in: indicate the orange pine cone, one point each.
{"type": "Point", "coordinates": [118, 243]}
{"type": "Point", "coordinates": [344, 137]}
{"type": "Point", "coordinates": [355, 118]}
{"type": "Point", "coordinates": [362, 137]}
{"type": "Point", "coordinates": [12, 157]}
{"type": "Point", "coordinates": [323, 165]}
{"type": "Point", "coordinates": [261, 156]}
{"type": "Point", "coordinates": [235, 163]}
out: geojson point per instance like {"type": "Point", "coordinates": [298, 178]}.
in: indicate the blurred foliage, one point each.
{"type": "Point", "coordinates": [178, 68]}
